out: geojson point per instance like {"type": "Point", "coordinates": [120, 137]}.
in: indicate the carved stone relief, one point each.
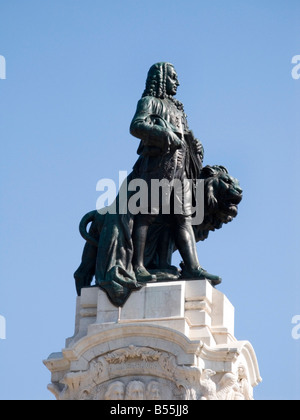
{"type": "Point", "coordinates": [134, 390]}
{"type": "Point", "coordinates": [144, 373]}
{"type": "Point", "coordinates": [231, 386]}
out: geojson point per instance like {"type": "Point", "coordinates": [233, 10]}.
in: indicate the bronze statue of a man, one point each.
{"type": "Point", "coordinates": [168, 150]}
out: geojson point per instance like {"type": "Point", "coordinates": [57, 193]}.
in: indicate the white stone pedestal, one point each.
{"type": "Point", "coordinates": [170, 341]}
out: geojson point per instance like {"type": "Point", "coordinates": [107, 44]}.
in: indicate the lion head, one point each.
{"type": "Point", "coordinates": [222, 196]}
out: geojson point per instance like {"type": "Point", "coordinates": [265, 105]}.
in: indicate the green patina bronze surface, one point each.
{"type": "Point", "coordinates": [125, 251]}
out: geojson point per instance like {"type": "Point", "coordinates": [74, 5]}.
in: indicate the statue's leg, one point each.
{"type": "Point", "coordinates": [185, 237]}
{"type": "Point", "coordinates": [165, 250]}
{"type": "Point", "coordinates": [185, 241]}
{"type": "Point", "coordinates": [165, 247]}
{"type": "Point", "coordinates": [85, 272]}
{"type": "Point", "coordinates": [186, 244]}
{"type": "Point", "coordinates": [139, 237]}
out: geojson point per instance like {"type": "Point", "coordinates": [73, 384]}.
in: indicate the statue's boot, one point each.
{"type": "Point", "coordinates": [143, 276]}
{"type": "Point", "coordinates": [199, 274]}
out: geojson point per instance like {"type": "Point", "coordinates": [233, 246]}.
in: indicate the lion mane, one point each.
{"type": "Point", "coordinates": [222, 194]}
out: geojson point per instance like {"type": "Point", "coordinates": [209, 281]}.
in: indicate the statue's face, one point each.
{"type": "Point", "coordinates": [118, 393]}
{"type": "Point", "coordinates": [155, 393]}
{"type": "Point", "coordinates": [172, 82]}
{"type": "Point", "coordinates": [136, 392]}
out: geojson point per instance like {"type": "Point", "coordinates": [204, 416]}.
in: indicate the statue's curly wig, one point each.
{"type": "Point", "coordinates": [156, 83]}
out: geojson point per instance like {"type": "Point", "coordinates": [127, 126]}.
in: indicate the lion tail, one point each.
{"type": "Point", "coordinates": [89, 217]}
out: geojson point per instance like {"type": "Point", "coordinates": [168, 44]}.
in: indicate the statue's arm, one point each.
{"type": "Point", "coordinates": [152, 129]}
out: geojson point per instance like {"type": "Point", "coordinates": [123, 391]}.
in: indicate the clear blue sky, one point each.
{"type": "Point", "coordinates": [75, 71]}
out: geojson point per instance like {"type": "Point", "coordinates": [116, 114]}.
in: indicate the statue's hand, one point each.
{"type": "Point", "coordinates": [199, 148]}
{"type": "Point", "coordinates": [176, 141]}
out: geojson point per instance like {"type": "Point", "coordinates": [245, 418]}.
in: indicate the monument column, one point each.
{"type": "Point", "coordinates": [170, 341]}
